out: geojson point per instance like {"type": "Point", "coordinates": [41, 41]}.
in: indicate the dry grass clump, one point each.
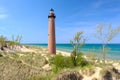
{"type": "Point", "coordinates": [88, 71]}
{"type": "Point", "coordinates": [15, 70]}
{"type": "Point", "coordinates": [21, 65]}
{"type": "Point", "coordinates": [42, 76]}
{"type": "Point", "coordinates": [34, 60]}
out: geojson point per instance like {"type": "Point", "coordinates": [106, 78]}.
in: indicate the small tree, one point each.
{"type": "Point", "coordinates": [105, 34]}
{"type": "Point", "coordinates": [77, 42]}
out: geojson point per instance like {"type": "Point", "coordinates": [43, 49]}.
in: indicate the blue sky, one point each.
{"type": "Point", "coordinates": [29, 18]}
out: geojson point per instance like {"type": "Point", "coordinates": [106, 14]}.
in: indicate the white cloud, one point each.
{"type": "Point", "coordinates": [2, 28]}
{"type": "Point", "coordinates": [88, 30]}
{"type": "Point", "coordinates": [117, 9]}
{"type": "Point", "coordinates": [3, 13]}
{"type": "Point", "coordinates": [3, 16]}
{"type": "Point", "coordinates": [100, 3]}
{"type": "Point", "coordinates": [84, 23]}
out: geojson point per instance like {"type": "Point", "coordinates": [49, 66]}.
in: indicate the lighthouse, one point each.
{"type": "Point", "coordinates": [51, 33]}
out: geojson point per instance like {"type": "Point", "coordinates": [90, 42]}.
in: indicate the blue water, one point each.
{"type": "Point", "coordinates": [113, 50]}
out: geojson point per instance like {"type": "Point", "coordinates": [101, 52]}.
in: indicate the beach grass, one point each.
{"type": "Point", "coordinates": [37, 65]}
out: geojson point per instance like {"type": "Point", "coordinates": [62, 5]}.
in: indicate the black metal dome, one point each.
{"type": "Point", "coordinates": [51, 9]}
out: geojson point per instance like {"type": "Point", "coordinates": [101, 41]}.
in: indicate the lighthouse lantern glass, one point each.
{"type": "Point", "coordinates": [51, 11]}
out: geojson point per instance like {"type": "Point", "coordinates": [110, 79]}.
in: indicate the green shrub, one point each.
{"type": "Point", "coordinates": [62, 61]}
{"type": "Point", "coordinates": [73, 57]}
{"type": "Point", "coordinates": [78, 60]}
{"type": "Point", "coordinates": [54, 69]}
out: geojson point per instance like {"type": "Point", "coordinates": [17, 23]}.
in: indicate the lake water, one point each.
{"type": "Point", "coordinates": [112, 50]}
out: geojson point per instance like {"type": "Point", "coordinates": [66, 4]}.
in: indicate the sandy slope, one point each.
{"type": "Point", "coordinates": [43, 52]}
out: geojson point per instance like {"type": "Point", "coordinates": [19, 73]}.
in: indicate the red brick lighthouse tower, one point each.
{"type": "Point", "coordinates": [51, 33]}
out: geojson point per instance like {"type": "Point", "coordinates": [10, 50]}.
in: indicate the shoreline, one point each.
{"type": "Point", "coordinates": [112, 54]}
{"type": "Point", "coordinates": [67, 53]}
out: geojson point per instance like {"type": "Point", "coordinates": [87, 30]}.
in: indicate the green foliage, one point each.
{"type": "Point", "coordinates": [78, 40]}
{"type": "Point", "coordinates": [15, 41]}
{"type": "Point", "coordinates": [73, 57]}
{"type": "Point", "coordinates": [5, 43]}
{"type": "Point", "coordinates": [79, 60]}
{"type": "Point", "coordinates": [62, 61]}
{"type": "Point", "coordinates": [54, 69]}
{"type": "Point", "coordinates": [2, 41]}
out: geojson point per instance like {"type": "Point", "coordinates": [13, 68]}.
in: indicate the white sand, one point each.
{"type": "Point", "coordinates": [63, 53]}
{"type": "Point", "coordinates": [95, 75]}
